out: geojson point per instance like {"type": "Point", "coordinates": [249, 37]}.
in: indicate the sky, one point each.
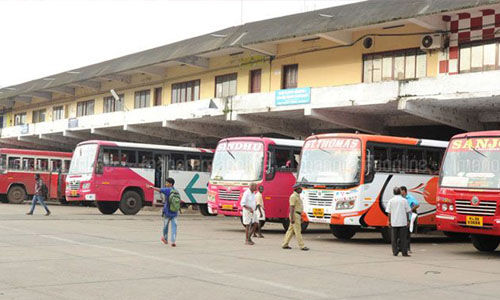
{"type": "Point", "coordinates": [44, 37]}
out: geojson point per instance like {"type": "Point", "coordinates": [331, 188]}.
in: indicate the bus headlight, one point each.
{"type": "Point", "coordinates": [450, 207]}
{"type": "Point", "coordinates": [86, 186]}
{"type": "Point", "coordinates": [444, 207]}
{"type": "Point", "coordinates": [344, 205]}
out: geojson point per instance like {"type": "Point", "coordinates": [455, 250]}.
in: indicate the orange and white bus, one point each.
{"type": "Point", "coordinates": [348, 179]}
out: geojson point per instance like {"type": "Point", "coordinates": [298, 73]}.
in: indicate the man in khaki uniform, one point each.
{"type": "Point", "coordinates": [295, 219]}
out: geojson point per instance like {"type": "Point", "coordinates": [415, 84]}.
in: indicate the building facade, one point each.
{"type": "Point", "coordinates": [429, 69]}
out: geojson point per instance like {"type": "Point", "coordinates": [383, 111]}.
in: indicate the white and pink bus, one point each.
{"type": "Point", "coordinates": [240, 161]}
{"type": "Point", "coordinates": [115, 174]}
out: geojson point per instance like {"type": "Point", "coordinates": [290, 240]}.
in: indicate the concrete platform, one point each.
{"type": "Point", "coordinates": [77, 253]}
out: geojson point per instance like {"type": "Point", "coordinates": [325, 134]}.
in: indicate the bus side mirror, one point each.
{"type": "Point", "coordinates": [270, 170]}
{"type": "Point", "coordinates": [99, 168]}
{"type": "Point", "coordinates": [370, 168]}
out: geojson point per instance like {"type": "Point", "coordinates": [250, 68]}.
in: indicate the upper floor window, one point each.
{"type": "Point", "coordinates": [57, 112]}
{"type": "Point", "coordinates": [290, 76]}
{"type": "Point", "coordinates": [479, 56]}
{"type": "Point", "coordinates": [186, 91]}
{"type": "Point", "coordinates": [158, 96]}
{"type": "Point", "coordinates": [142, 99]}
{"type": "Point", "coordinates": [39, 116]}
{"type": "Point", "coordinates": [225, 85]}
{"type": "Point", "coordinates": [20, 119]}
{"type": "Point", "coordinates": [394, 65]}
{"type": "Point", "coordinates": [111, 105]}
{"type": "Point", "coordinates": [85, 108]}
{"type": "Point", "coordinates": [255, 76]}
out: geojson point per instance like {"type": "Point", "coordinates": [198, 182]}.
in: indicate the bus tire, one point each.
{"type": "Point", "coordinates": [286, 224]}
{"type": "Point", "coordinates": [204, 210]}
{"type": "Point", "coordinates": [342, 232]}
{"type": "Point", "coordinates": [131, 203]}
{"type": "Point", "coordinates": [16, 194]}
{"type": "Point", "coordinates": [107, 207]}
{"type": "Point", "coordinates": [456, 235]}
{"type": "Point", "coordinates": [386, 234]}
{"type": "Point", "coordinates": [485, 243]}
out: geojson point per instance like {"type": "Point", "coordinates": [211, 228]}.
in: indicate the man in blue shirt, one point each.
{"type": "Point", "coordinates": [168, 215]}
{"type": "Point", "coordinates": [414, 205]}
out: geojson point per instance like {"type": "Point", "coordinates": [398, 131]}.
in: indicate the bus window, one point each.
{"type": "Point", "coordinates": [129, 158]}
{"type": "Point", "coordinates": [42, 164]}
{"type": "Point", "coordinates": [177, 162]}
{"type": "Point", "coordinates": [206, 163]}
{"type": "Point", "coordinates": [282, 158]}
{"type": "Point", "coordinates": [56, 165]}
{"type": "Point", "coordinates": [146, 159]}
{"type": "Point", "coordinates": [415, 159]}
{"type": "Point", "coordinates": [398, 160]}
{"type": "Point", "coordinates": [28, 164]}
{"type": "Point", "coordinates": [193, 162]}
{"type": "Point", "coordinates": [14, 163]}
{"type": "Point", "coordinates": [67, 163]}
{"type": "Point", "coordinates": [381, 159]}
{"type": "Point", "coordinates": [111, 157]}
{"type": "Point", "coordinates": [3, 162]}
{"type": "Point", "coordinates": [433, 161]}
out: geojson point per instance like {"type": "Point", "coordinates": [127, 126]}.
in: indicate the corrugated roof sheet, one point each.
{"type": "Point", "coordinates": [297, 25]}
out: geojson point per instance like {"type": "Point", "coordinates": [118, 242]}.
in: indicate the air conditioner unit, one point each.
{"type": "Point", "coordinates": [433, 41]}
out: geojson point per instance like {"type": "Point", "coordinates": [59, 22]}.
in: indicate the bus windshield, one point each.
{"type": "Point", "coordinates": [238, 161]}
{"type": "Point", "coordinates": [472, 163]}
{"type": "Point", "coordinates": [331, 161]}
{"type": "Point", "coordinates": [83, 159]}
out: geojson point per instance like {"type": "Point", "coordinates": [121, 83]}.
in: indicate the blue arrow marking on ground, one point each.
{"type": "Point", "coordinates": [190, 191]}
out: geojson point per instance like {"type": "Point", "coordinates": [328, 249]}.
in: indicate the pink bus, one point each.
{"type": "Point", "coordinates": [115, 174]}
{"type": "Point", "coordinates": [240, 161]}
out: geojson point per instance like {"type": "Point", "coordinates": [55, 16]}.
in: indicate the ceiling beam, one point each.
{"type": "Point", "coordinates": [162, 133]}
{"type": "Point", "coordinates": [212, 130]}
{"type": "Point", "coordinates": [339, 37]}
{"type": "Point", "coordinates": [78, 135]}
{"type": "Point", "coordinates": [36, 141]}
{"type": "Point", "coordinates": [69, 91]}
{"type": "Point", "coordinates": [117, 78]}
{"type": "Point", "coordinates": [275, 125]}
{"type": "Point", "coordinates": [41, 95]}
{"type": "Point", "coordinates": [347, 120]}
{"type": "Point", "coordinates": [25, 99]}
{"type": "Point", "coordinates": [153, 70]}
{"type": "Point", "coordinates": [266, 49]}
{"type": "Point", "coordinates": [194, 61]}
{"type": "Point", "coordinates": [58, 139]}
{"type": "Point", "coordinates": [88, 84]}
{"type": "Point", "coordinates": [444, 115]}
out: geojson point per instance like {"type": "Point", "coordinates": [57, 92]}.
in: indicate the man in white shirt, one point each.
{"type": "Point", "coordinates": [249, 216]}
{"type": "Point", "coordinates": [398, 210]}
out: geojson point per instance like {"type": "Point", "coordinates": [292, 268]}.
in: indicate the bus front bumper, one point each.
{"type": "Point", "coordinates": [457, 223]}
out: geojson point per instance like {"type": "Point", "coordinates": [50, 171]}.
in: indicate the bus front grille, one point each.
{"type": "Point", "coordinates": [484, 208]}
{"type": "Point", "coordinates": [324, 199]}
{"type": "Point", "coordinates": [229, 195]}
{"type": "Point", "coordinates": [74, 185]}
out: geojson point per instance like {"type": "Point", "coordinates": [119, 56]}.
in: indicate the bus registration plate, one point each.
{"type": "Point", "coordinates": [227, 207]}
{"type": "Point", "coordinates": [474, 221]}
{"type": "Point", "coordinates": [319, 212]}
{"type": "Point", "coordinates": [74, 193]}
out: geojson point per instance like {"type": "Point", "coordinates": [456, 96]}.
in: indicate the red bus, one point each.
{"type": "Point", "coordinates": [348, 179]}
{"type": "Point", "coordinates": [240, 161]}
{"type": "Point", "coordinates": [115, 174]}
{"type": "Point", "coordinates": [17, 169]}
{"type": "Point", "coordinates": [469, 188]}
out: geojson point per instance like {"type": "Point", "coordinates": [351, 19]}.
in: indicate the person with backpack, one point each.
{"type": "Point", "coordinates": [170, 209]}
{"type": "Point", "coordinates": [41, 193]}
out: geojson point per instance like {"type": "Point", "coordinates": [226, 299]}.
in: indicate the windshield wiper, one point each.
{"type": "Point", "coordinates": [477, 151]}
{"type": "Point", "coordinates": [229, 152]}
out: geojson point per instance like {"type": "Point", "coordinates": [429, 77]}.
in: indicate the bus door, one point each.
{"type": "Point", "coordinates": [161, 161]}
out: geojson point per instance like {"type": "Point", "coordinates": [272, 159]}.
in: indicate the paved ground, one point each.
{"type": "Point", "coordinates": [77, 253]}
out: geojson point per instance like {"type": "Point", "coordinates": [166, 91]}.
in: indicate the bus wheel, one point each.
{"type": "Point", "coordinates": [286, 224]}
{"type": "Point", "coordinates": [386, 234]}
{"type": "Point", "coordinates": [456, 235]}
{"type": "Point", "coordinates": [342, 232]}
{"type": "Point", "coordinates": [485, 243]}
{"type": "Point", "coordinates": [16, 194]}
{"type": "Point", "coordinates": [131, 203]}
{"type": "Point", "coordinates": [107, 207]}
{"type": "Point", "coordinates": [204, 210]}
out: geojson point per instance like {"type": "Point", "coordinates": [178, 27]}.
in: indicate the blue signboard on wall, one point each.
{"type": "Point", "coordinates": [25, 128]}
{"type": "Point", "coordinates": [293, 96]}
{"type": "Point", "coordinates": [72, 123]}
